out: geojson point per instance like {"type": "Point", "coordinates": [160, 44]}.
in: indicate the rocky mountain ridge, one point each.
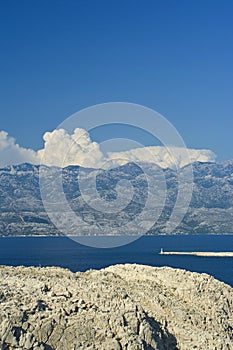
{"type": "Point", "coordinates": [210, 210]}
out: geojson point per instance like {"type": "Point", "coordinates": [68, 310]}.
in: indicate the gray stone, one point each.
{"type": "Point", "coordinates": [122, 307]}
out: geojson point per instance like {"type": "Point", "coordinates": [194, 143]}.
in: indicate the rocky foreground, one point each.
{"type": "Point", "coordinates": [122, 307]}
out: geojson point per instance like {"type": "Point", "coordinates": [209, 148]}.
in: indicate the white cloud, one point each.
{"type": "Point", "coordinates": [11, 153]}
{"type": "Point", "coordinates": [63, 149]}
{"type": "Point", "coordinates": [162, 156]}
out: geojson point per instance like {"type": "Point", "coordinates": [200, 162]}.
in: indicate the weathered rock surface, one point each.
{"type": "Point", "coordinates": [122, 307]}
{"type": "Point", "coordinates": [210, 211]}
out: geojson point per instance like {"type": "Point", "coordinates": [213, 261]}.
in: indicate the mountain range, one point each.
{"type": "Point", "coordinates": [210, 210]}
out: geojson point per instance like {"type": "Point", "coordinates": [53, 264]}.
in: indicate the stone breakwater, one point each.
{"type": "Point", "coordinates": [208, 254]}
{"type": "Point", "coordinates": [122, 307]}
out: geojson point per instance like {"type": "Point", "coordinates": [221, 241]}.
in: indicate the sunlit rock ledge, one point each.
{"type": "Point", "coordinates": [122, 307]}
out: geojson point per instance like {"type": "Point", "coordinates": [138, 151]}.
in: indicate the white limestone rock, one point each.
{"type": "Point", "coordinates": [122, 307]}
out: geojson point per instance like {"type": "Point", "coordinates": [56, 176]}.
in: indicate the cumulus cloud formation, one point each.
{"type": "Point", "coordinates": [11, 153]}
{"type": "Point", "coordinates": [63, 149]}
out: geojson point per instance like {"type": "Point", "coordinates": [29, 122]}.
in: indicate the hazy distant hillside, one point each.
{"type": "Point", "coordinates": [211, 208]}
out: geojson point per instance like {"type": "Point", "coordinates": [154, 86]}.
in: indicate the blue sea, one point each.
{"type": "Point", "coordinates": [64, 252]}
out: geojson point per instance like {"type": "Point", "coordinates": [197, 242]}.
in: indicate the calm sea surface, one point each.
{"type": "Point", "coordinates": [64, 252]}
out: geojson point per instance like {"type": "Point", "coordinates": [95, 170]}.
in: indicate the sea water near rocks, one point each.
{"type": "Point", "coordinates": [64, 252]}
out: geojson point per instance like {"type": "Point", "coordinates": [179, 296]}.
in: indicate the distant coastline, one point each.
{"type": "Point", "coordinates": [96, 236]}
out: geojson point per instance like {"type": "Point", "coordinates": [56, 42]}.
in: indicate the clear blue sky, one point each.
{"type": "Point", "coordinates": [175, 56]}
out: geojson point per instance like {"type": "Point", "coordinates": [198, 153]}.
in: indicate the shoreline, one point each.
{"type": "Point", "coordinates": [110, 236]}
